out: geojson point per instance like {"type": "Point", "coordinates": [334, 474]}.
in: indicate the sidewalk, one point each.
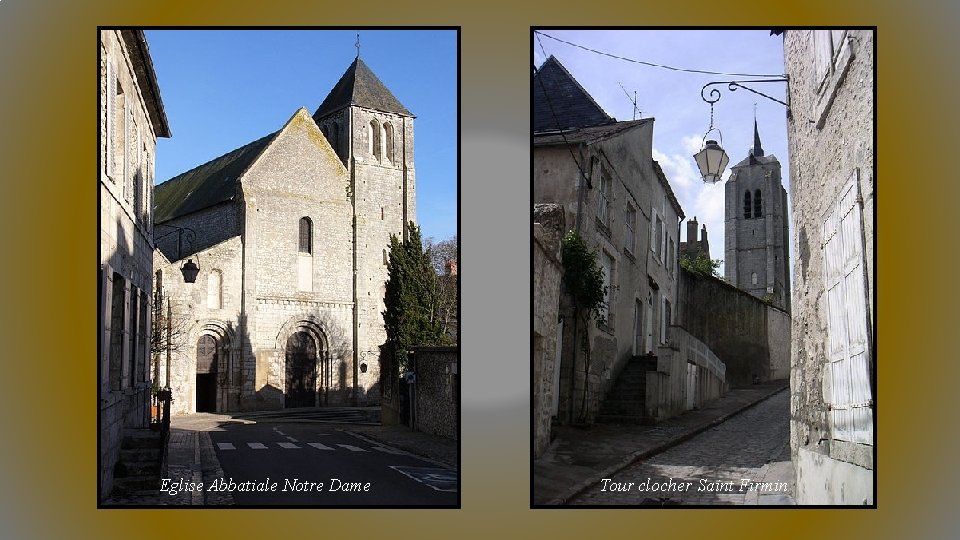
{"type": "Point", "coordinates": [579, 457]}
{"type": "Point", "coordinates": [191, 457]}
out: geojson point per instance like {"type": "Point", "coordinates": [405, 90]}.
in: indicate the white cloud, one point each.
{"type": "Point", "coordinates": [692, 144]}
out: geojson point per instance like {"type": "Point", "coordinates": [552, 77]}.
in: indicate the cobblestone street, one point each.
{"type": "Point", "coordinates": [717, 467]}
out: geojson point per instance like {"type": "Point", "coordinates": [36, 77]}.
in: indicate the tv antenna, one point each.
{"type": "Point", "coordinates": [636, 110]}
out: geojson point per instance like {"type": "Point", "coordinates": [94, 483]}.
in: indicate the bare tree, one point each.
{"type": "Point", "coordinates": [169, 327]}
{"type": "Point", "coordinates": [444, 259]}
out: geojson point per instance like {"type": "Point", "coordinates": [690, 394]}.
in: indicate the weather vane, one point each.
{"type": "Point", "coordinates": [358, 45]}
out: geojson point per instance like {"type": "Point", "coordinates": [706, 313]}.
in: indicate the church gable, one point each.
{"type": "Point", "coordinates": [299, 161]}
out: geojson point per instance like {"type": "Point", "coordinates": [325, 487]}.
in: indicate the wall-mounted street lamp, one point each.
{"type": "Point", "coordinates": [712, 159]}
{"type": "Point", "coordinates": [189, 269]}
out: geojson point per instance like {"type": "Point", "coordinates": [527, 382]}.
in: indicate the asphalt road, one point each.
{"type": "Point", "coordinates": [317, 465]}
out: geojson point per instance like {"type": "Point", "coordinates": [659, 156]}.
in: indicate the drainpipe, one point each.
{"type": "Point", "coordinates": [582, 184]}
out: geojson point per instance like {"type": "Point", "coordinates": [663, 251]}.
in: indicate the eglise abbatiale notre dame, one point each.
{"type": "Point", "coordinates": [290, 233]}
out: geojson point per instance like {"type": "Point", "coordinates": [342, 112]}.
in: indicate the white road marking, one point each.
{"type": "Point", "coordinates": [291, 439]}
{"type": "Point", "coordinates": [352, 448]}
{"type": "Point", "coordinates": [287, 445]}
{"type": "Point", "coordinates": [257, 446]}
{"type": "Point", "coordinates": [390, 450]}
{"type": "Point", "coordinates": [320, 446]}
{"type": "Point", "coordinates": [226, 446]}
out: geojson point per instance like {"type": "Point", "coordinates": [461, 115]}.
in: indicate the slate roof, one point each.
{"type": "Point", "coordinates": [559, 102]}
{"type": "Point", "coordinates": [360, 86]}
{"type": "Point", "coordinates": [214, 182]}
{"type": "Point", "coordinates": [588, 135]}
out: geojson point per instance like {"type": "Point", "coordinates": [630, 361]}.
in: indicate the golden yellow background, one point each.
{"type": "Point", "coordinates": [48, 194]}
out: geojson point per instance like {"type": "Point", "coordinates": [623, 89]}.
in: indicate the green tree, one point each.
{"type": "Point", "coordinates": [702, 264]}
{"type": "Point", "coordinates": [411, 299]}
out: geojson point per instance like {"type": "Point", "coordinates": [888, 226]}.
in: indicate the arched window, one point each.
{"type": "Point", "coordinates": [306, 235]}
{"type": "Point", "coordinates": [375, 138]}
{"type": "Point", "coordinates": [746, 205]}
{"type": "Point", "coordinates": [214, 289]}
{"type": "Point", "coordinates": [388, 139]}
{"type": "Point", "coordinates": [757, 206]}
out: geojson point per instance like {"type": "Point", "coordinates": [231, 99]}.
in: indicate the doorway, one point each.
{"type": "Point", "coordinates": [206, 398]}
{"type": "Point", "coordinates": [301, 371]}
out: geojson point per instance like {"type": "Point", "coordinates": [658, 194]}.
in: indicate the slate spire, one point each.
{"type": "Point", "coordinates": [559, 102]}
{"type": "Point", "coordinates": [757, 149]}
{"type": "Point", "coordinates": [361, 87]}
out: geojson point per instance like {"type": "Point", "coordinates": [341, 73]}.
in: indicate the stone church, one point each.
{"type": "Point", "coordinates": [290, 233]}
{"type": "Point", "coordinates": [756, 228]}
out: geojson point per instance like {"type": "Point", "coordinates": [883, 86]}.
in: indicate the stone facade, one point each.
{"type": "Point", "coordinates": [757, 254]}
{"type": "Point", "coordinates": [548, 229]}
{"type": "Point", "coordinates": [617, 198]}
{"type": "Point", "coordinates": [293, 258]}
{"type": "Point", "coordinates": [131, 119]}
{"type": "Point", "coordinates": [831, 142]}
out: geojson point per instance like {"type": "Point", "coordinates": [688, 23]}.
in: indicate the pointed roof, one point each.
{"type": "Point", "coordinates": [559, 102]}
{"type": "Point", "coordinates": [757, 149]}
{"type": "Point", "coordinates": [360, 86]}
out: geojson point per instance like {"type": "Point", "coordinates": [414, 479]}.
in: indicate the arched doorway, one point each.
{"type": "Point", "coordinates": [301, 371]}
{"type": "Point", "coordinates": [206, 398]}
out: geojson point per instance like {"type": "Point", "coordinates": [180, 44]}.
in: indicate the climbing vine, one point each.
{"type": "Point", "coordinates": [583, 281]}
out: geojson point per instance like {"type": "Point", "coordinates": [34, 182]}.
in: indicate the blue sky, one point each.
{"type": "Point", "coordinates": [224, 88]}
{"type": "Point", "coordinates": [673, 99]}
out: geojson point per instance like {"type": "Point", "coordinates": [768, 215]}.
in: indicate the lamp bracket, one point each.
{"type": "Point", "coordinates": [733, 85]}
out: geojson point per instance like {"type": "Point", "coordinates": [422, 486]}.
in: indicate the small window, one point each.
{"type": "Point", "coordinates": [388, 139]}
{"type": "Point", "coordinates": [746, 205]}
{"type": "Point", "coordinates": [629, 223]}
{"type": "Point", "coordinates": [375, 138]}
{"type": "Point", "coordinates": [656, 243]}
{"type": "Point", "coordinates": [757, 206]}
{"type": "Point", "coordinates": [603, 198]}
{"type": "Point", "coordinates": [306, 235]}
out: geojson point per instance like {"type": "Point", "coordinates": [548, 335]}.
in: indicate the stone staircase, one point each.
{"type": "Point", "coordinates": [624, 403]}
{"type": "Point", "coordinates": [139, 466]}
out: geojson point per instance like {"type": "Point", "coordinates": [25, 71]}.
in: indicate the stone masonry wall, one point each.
{"type": "Point", "coordinates": [549, 225]}
{"type": "Point", "coordinates": [437, 390]}
{"type": "Point", "coordinates": [831, 142]}
{"type": "Point", "coordinates": [735, 326]}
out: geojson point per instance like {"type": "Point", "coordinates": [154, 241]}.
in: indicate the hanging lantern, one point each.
{"type": "Point", "coordinates": [190, 271]}
{"type": "Point", "coordinates": [711, 160]}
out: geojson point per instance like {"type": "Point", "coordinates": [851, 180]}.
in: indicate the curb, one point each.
{"type": "Point", "coordinates": [392, 446]}
{"type": "Point", "coordinates": [643, 454]}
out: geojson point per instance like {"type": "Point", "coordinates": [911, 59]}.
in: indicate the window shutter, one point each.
{"type": "Point", "coordinates": [111, 99]}
{"type": "Point", "coordinates": [823, 54]}
{"type": "Point", "coordinates": [848, 347]}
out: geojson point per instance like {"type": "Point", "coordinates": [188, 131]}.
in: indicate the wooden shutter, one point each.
{"type": "Point", "coordinates": [823, 54]}
{"type": "Point", "coordinates": [848, 348]}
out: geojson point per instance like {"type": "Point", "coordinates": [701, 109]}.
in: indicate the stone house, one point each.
{"type": "Point", "coordinates": [291, 233]}
{"type": "Point", "coordinates": [131, 118]}
{"type": "Point", "coordinates": [831, 144]}
{"type": "Point", "coordinates": [617, 198]}
{"type": "Point", "coordinates": [756, 220]}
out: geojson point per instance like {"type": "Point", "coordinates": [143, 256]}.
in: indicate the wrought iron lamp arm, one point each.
{"type": "Point", "coordinates": [733, 85]}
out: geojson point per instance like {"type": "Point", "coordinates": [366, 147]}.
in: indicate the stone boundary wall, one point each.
{"type": "Point", "coordinates": [548, 227]}
{"type": "Point", "coordinates": [685, 363]}
{"type": "Point", "coordinates": [750, 337]}
{"type": "Point", "coordinates": [437, 390]}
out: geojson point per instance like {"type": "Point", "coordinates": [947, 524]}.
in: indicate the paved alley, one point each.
{"type": "Point", "coordinates": [740, 461]}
